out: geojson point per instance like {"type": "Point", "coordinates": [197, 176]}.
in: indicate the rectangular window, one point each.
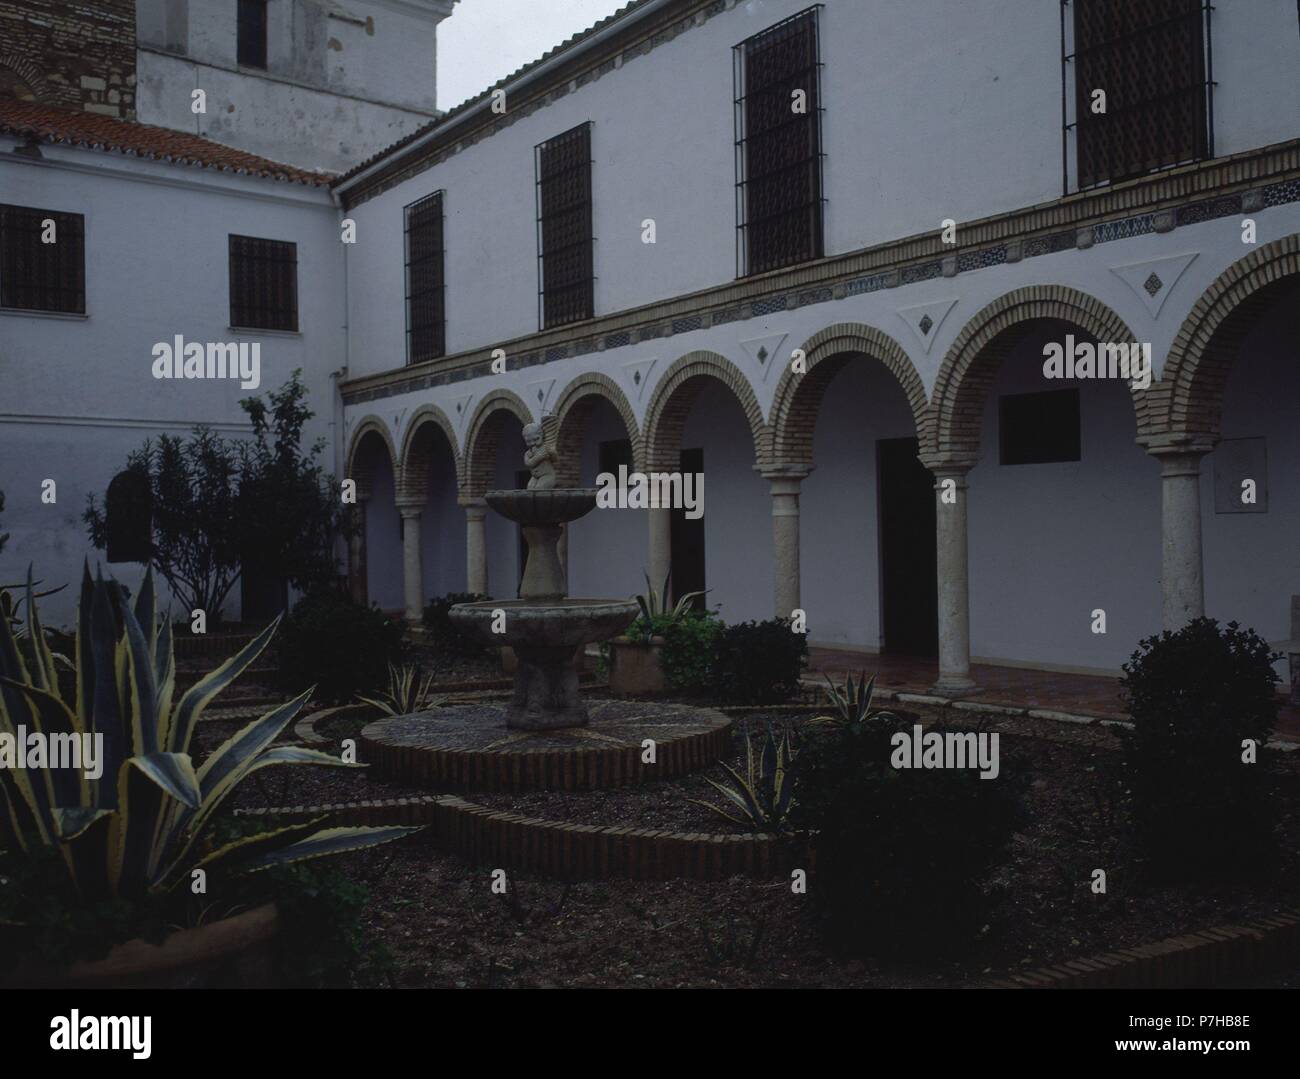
{"type": "Point", "coordinates": [426, 323]}
{"type": "Point", "coordinates": [564, 241]}
{"type": "Point", "coordinates": [251, 40]}
{"type": "Point", "coordinates": [1038, 428]}
{"type": "Point", "coordinates": [42, 260]}
{"type": "Point", "coordinates": [1151, 60]}
{"type": "Point", "coordinates": [777, 76]}
{"type": "Point", "coordinates": [263, 284]}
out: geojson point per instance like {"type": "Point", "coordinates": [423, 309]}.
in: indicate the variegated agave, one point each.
{"type": "Point", "coordinates": [655, 603]}
{"type": "Point", "coordinates": [763, 797]}
{"type": "Point", "coordinates": [852, 704]}
{"type": "Point", "coordinates": [139, 827]}
{"type": "Point", "coordinates": [407, 692]}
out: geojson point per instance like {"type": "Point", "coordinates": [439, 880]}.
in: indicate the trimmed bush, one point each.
{"type": "Point", "coordinates": [1195, 696]}
{"type": "Point", "coordinates": [901, 853]}
{"type": "Point", "coordinates": [687, 654]}
{"type": "Point", "coordinates": [447, 637]}
{"type": "Point", "coordinates": [337, 645]}
{"type": "Point", "coordinates": [759, 662]}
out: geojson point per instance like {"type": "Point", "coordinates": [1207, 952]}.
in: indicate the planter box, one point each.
{"type": "Point", "coordinates": [232, 953]}
{"type": "Point", "coordinates": [634, 667]}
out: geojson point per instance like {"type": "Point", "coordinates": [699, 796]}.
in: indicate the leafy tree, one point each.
{"type": "Point", "coordinates": [218, 505]}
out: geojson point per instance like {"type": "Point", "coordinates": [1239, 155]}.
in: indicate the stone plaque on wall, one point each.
{"type": "Point", "coordinates": [1240, 475]}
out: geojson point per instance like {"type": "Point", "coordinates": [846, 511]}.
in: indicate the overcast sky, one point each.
{"type": "Point", "coordinates": [486, 39]}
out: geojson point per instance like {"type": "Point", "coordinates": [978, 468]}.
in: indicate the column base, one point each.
{"type": "Point", "coordinates": [954, 685]}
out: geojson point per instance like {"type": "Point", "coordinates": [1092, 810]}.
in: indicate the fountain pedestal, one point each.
{"type": "Point", "coordinates": [543, 626]}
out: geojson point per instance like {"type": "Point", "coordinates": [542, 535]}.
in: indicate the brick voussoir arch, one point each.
{"type": "Point", "coordinates": [676, 392]}
{"type": "Point", "coordinates": [478, 461]}
{"type": "Point", "coordinates": [799, 396]}
{"type": "Point", "coordinates": [363, 471]}
{"type": "Point", "coordinates": [973, 360]}
{"type": "Point", "coordinates": [574, 410]}
{"type": "Point", "coordinates": [416, 450]}
{"type": "Point", "coordinates": [1209, 340]}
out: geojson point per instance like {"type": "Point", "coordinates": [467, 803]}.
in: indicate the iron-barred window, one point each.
{"type": "Point", "coordinates": [263, 284]}
{"type": "Point", "coordinates": [777, 77]}
{"type": "Point", "coordinates": [1152, 60]}
{"type": "Point", "coordinates": [426, 321]}
{"type": "Point", "coordinates": [250, 42]}
{"type": "Point", "coordinates": [564, 240]}
{"type": "Point", "coordinates": [42, 260]}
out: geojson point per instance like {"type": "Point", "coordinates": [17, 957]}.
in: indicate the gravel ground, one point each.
{"type": "Point", "coordinates": [440, 918]}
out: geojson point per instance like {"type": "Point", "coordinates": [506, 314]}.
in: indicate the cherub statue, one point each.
{"type": "Point", "coordinates": [539, 458]}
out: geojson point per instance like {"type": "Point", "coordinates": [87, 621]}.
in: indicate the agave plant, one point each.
{"type": "Point", "coordinates": [655, 604]}
{"type": "Point", "coordinates": [852, 704]}
{"type": "Point", "coordinates": [406, 692]}
{"type": "Point", "coordinates": [139, 827]}
{"type": "Point", "coordinates": [763, 797]}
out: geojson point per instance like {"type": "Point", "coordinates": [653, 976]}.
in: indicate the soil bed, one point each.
{"type": "Point", "coordinates": [439, 917]}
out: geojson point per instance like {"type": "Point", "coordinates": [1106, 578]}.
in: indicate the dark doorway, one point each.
{"type": "Point", "coordinates": [909, 590]}
{"type": "Point", "coordinates": [687, 540]}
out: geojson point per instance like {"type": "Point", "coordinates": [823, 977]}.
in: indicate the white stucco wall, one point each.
{"type": "Point", "coordinates": [932, 110]}
{"type": "Point", "coordinates": [335, 90]}
{"type": "Point", "coordinates": [79, 393]}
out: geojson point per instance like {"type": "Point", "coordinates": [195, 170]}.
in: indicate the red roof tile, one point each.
{"type": "Point", "coordinates": [49, 123]}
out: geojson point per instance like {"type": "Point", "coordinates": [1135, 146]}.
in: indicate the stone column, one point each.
{"type": "Point", "coordinates": [660, 550]}
{"type": "Point", "coordinates": [950, 494]}
{"type": "Point", "coordinates": [785, 483]}
{"type": "Point", "coordinates": [358, 584]}
{"type": "Point", "coordinates": [412, 574]}
{"type": "Point", "coordinates": [476, 567]}
{"type": "Point", "coordinates": [1182, 582]}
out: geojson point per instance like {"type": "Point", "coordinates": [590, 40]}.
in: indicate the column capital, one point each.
{"type": "Point", "coordinates": [948, 466]}
{"type": "Point", "coordinates": [1189, 445]}
{"type": "Point", "coordinates": [409, 510]}
{"type": "Point", "coordinates": [786, 478]}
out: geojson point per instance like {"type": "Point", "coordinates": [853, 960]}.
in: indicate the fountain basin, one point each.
{"type": "Point", "coordinates": [555, 506]}
{"type": "Point", "coordinates": [544, 636]}
{"type": "Point", "coordinates": [562, 623]}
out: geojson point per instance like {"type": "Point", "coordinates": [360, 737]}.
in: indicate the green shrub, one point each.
{"type": "Point", "coordinates": [687, 654]}
{"type": "Point", "coordinates": [759, 662]}
{"type": "Point", "coordinates": [337, 645]}
{"type": "Point", "coordinates": [900, 852]}
{"type": "Point", "coordinates": [445, 635]}
{"type": "Point", "coordinates": [1194, 696]}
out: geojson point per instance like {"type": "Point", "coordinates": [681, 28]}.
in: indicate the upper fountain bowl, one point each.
{"type": "Point", "coordinates": [555, 506]}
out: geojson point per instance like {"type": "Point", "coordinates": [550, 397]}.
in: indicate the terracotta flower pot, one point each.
{"type": "Point", "coordinates": [232, 953]}
{"type": "Point", "coordinates": [634, 667]}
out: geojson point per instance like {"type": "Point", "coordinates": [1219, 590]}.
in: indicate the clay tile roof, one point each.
{"type": "Point", "coordinates": [469, 103]}
{"type": "Point", "coordinates": [49, 123]}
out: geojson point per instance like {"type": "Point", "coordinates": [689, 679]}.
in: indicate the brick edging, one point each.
{"type": "Point", "coordinates": [597, 768]}
{"type": "Point", "coordinates": [563, 850]}
{"type": "Point", "coordinates": [1207, 957]}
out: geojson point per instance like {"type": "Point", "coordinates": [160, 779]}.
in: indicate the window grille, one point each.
{"type": "Point", "coordinates": [779, 202]}
{"type": "Point", "coordinates": [1154, 61]}
{"type": "Point", "coordinates": [263, 284]}
{"type": "Point", "coordinates": [565, 257]}
{"type": "Point", "coordinates": [39, 276]}
{"type": "Point", "coordinates": [426, 322]}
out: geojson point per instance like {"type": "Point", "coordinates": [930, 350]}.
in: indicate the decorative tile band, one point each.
{"type": "Point", "coordinates": [650, 325]}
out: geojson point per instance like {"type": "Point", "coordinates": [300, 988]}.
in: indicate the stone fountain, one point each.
{"type": "Point", "coordinates": [545, 737]}
{"type": "Point", "coordinates": [544, 626]}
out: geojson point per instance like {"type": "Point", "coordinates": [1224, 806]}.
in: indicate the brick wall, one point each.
{"type": "Point", "coordinates": [76, 53]}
